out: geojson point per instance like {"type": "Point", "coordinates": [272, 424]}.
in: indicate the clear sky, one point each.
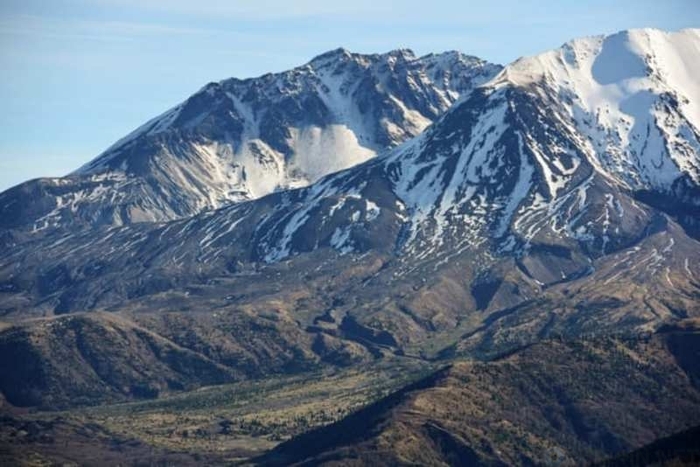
{"type": "Point", "coordinates": [76, 75]}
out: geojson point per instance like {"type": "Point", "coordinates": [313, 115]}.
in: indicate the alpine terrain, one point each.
{"type": "Point", "coordinates": [237, 140]}
{"type": "Point", "coordinates": [373, 259]}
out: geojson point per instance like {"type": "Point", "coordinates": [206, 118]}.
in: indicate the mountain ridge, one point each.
{"type": "Point", "coordinates": [241, 139]}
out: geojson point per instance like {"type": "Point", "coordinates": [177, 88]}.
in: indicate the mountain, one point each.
{"type": "Point", "coordinates": [530, 209]}
{"type": "Point", "coordinates": [546, 221]}
{"type": "Point", "coordinates": [552, 403]}
{"type": "Point", "coordinates": [576, 146]}
{"type": "Point", "coordinates": [238, 140]}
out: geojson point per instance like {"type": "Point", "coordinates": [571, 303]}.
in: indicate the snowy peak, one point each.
{"type": "Point", "coordinates": [334, 85]}
{"type": "Point", "coordinates": [368, 102]}
{"type": "Point", "coordinates": [633, 95]}
{"type": "Point", "coordinates": [551, 145]}
{"type": "Point", "coordinates": [341, 55]}
{"type": "Point", "coordinates": [561, 149]}
{"type": "Point", "coordinates": [241, 139]}
{"type": "Point", "coordinates": [616, 58]}
{"type": "Point", "coordinates": [332, 56]}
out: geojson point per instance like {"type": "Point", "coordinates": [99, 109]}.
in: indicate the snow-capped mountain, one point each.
{"type": "Point", "coordinates": [573, 146]}
{"type": "Point", "coordinates": [238, 140]}
{"type": "Point", "coordinates": [547, 221]}
{"type": "Point", "coordinates": [567, 179]}
{"type": "Point", "coordinates": [565, 183]}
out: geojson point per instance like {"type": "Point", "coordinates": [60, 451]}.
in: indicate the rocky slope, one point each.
{"type": "Point", "coordinates": [237, 139]}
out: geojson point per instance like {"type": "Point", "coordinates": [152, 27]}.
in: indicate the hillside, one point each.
{"type": "Point", "coordinates": [553, 402]}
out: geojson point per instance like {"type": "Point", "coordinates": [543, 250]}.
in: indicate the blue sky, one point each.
{"type": "Point", "coordinates": [79, 74]}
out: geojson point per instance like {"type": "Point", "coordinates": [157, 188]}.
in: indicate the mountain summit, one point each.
{"type": "Point", "coordinates": [560, 149]}
{"type": "Point", "coordinates": [238, 140]}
